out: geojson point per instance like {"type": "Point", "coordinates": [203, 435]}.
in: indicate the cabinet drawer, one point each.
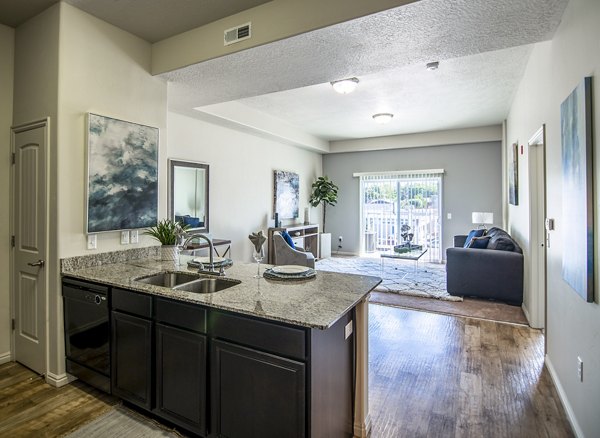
{"type": "Point", "coordinates": [266, 336]}
{"type": "Point", "coordinates": [181, 315]}
{"type": "Point", "coordinates": [132, 302]}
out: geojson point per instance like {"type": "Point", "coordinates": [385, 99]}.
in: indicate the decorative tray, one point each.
{"type": "Point", "coordinates": [217, 262]}
{"type": "Point", "coordinates": [289, 273]}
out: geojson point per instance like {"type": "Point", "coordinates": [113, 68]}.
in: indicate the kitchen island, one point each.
{"type": "Point", "coordinates": [260, 358]}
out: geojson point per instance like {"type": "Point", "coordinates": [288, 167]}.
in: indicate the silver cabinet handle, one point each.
{"type": "Point", "coordinates": [39, 263]}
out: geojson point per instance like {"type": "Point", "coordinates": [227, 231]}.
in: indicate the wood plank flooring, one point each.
{"type": "Point", "coordinates": [434, 375]}
{"type": "Point", "coordinates": [29, 407]}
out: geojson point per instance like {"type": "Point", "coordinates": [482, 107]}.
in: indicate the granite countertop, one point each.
{"type": "Point", "coordinates": [316, 303]}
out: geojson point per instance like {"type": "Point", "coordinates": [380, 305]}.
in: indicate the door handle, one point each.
{"type": "Point", "coordinates": [39, 263]}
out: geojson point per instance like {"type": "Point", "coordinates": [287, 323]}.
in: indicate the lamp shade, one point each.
{"type": "Point", "coordinates": [479, 217]}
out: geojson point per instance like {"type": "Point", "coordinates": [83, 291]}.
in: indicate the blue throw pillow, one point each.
{"type": "Point", "coordinates": [473, 233]}
{"type": "Point", "coordinates": [286, 236]}
{"type": "Point", "coordinates": [479, 242]}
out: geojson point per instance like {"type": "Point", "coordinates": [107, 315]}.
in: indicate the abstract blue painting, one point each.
{"type": "Point", "coordinates": [577, 194]}
{"type": "Point", "coordinates": [122, 175]}
{"type": "Point", "coordinates": [287, 194]}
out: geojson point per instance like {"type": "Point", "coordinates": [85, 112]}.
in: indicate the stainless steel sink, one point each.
{"type": "Point", "coordinates": [207, 285]}
{"type": "Point", "coordinates": [168, 279]}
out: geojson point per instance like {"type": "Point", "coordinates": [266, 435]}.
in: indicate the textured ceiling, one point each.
{"type": "Point", "coordinates": [16, 12]}
{"type": "Point", "coordinates": [378, 48]}
{"type": "Point", "coordinates": [465, 92]}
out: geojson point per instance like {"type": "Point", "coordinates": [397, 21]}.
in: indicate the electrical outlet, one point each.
{"type": "Point", "coordinates": [348, 330]}
{"type": "Point", "coordinates": [133, 236]}
{"type": "Point", "coordinates": [580, 368]}
{"type": "Point", "coordinates": [124, 237]}
{"type": "Point", "coordinates": [92, 241]}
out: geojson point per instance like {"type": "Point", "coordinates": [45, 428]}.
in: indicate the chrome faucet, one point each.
{"type": "Point", "coordinates": [211, 248]}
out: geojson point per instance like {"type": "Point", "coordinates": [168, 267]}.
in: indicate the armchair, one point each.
{"type": "Point", "coordinates": [285, 255]}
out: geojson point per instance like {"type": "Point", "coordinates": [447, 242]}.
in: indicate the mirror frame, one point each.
{"type": "Point", "coordinates": [181, 163]}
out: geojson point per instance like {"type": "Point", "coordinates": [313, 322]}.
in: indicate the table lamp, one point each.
{"type": "Point", "coordinates": [481, 219]}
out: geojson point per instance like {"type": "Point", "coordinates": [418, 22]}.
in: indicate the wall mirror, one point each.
{"type": "Point", "coordinates": [188, 191]}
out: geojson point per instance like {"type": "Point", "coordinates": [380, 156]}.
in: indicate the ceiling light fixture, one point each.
{"type": "Point", "coordinates": [383, 118]}
{"type": "Point", "coordinates": [345, 86]}
{"type": "Point", "coordinates": [432, 65]}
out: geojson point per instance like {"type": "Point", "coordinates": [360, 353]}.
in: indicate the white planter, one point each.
{"type": "Point", "coordinates": [325, 239]}
{"type": "Point", "coordinates": [168, 253]}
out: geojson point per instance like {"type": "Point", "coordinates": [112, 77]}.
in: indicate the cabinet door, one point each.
{"type": "Point", "coordinates": [131, 361]}
{"type": "Point", "coordinates": [256, 394]}
{"type": "Point", "coordinates": [181, 377]}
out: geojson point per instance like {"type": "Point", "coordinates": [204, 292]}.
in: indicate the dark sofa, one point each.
{"type": "Point", "coordinates": [494, 272]}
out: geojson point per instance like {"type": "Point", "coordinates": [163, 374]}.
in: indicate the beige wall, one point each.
{"type": "Point", "coordinates": [573, 328]}
{"type": "Point", "coordinates": [103, 70]}
{"type": "Point", "coordinates": [7, 45]}
{"type": "Point", "coordinates": [241, 176]}
{"type": "Point", "coordinates": [35, 98]}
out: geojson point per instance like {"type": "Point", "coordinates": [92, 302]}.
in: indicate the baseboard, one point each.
{"type": "Point", "coordinates": [342, 253]}
{"type": "Point", "coordinates": [563, 398]}
{"type": "Point", "coordinates": [5, 357]}
{"type": "Point", "coordinates": [526, 312]}
{"type": "Point", "coordinates": [362, 430]}
{"type": "Point", "coordinates": [58, 380]}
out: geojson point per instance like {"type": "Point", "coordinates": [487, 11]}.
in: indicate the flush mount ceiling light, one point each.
{"type": "Point", "coordinates": [383, 118]}
{"type": "Point", "coordinates": [432, 65]}
{"type": "Point", "coordinates": [345, 86]}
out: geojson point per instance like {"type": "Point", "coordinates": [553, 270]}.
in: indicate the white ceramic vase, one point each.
{"type": "Point", "coordinates": [168, 253]}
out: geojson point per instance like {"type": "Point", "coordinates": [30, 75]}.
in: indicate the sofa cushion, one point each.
{"type": "Point", "coordinates": [473, 233]}
{"type": "Point", "coordinates": [286, 236]}
{"type": "Point", "coordinates": [479, 242]}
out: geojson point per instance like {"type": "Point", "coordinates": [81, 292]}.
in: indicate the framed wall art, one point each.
{"type": "Point", "coordinates": [577, 190]}
{"type": "Point", "coordinates": [286, 196]}
{"type": "Point", "coordinates": [122, 175]}
{"type": "Point", "coordinates": [513, 174]}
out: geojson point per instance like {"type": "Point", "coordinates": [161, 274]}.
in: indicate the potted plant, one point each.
{"type": "Point", "coordinates": [168, 232]}
{"type": "Point", "coordinates": [325, 192]}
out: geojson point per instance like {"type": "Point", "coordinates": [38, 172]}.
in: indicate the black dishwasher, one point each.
{"type": "Point", "coordinates": [87, 332]}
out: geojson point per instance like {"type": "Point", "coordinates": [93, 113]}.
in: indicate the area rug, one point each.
{"type": "Point", "coordinates": [404, 277]}
{"type": "Point", "coordinates": [123, 422]}
{"type": "Point", "coordinates": [477, 308]}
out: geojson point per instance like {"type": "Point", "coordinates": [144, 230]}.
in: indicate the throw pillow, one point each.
{"type": "Point", "coordinates": [502, 244]}
{"type": "Point", "coordinates": [473, 233]}
{"type": "Point", "coordinates": [286, 236]}
{"type": "Point", "coordinates": [479, 242]}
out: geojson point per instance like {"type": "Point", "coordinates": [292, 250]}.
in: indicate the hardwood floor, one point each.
{"type": "Point", "coordinates": [434, 375]}
{"type": "Point", "coordinates": [431, 375]}
{"type": "Point", "coordinates": [29, 407]}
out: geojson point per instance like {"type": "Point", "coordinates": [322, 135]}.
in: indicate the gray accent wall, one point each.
{"type": "Point", "coordinates": [472, 182]}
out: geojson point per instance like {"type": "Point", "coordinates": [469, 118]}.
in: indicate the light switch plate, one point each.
{"type": "Point", "coordinates": [348, 330]}
{"type": "Point", "coordinates": [92, 241]}
{"type": "Point", "coordinates": [133, 236]}
{"type": "Point", "coordinates": [449, 216]}
{"type": "Point", "coordinates": [124, 237]}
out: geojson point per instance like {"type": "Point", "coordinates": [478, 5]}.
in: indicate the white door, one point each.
{"type": "Point", "coordinates": [29, 219]}
{"type": "Point", "coordinates": [537, 240]}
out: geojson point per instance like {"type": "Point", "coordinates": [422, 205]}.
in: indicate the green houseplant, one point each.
{"type": "Point", "coordinates": [167, 232]}
{"type": "Point", "coordinates": [325, 192]}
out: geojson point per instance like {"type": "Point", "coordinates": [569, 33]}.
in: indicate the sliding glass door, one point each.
{"type": "Point", "coordinates": [400, 207]}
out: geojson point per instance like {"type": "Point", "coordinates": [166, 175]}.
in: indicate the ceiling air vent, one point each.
{"type": "Point", "coordinates": [237, 34]}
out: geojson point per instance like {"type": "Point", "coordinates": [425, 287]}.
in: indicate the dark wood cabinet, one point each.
{"type": "Point", "coordinates": [131, 361]}
{"type": "Point", "coordinates": [256, 394]}
{"type": "Point", "coordinates": [181, 377]}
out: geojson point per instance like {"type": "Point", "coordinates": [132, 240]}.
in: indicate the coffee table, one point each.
{"type": "Point", "coordinates": [415, 255]}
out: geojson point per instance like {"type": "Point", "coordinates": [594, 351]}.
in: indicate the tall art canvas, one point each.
{"type": "Point", "coordinates": [122, 175]}
{"type": "Point", "coordinates": [286, 199]}
{"type": "Point", "coordinates": [577, 194]}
